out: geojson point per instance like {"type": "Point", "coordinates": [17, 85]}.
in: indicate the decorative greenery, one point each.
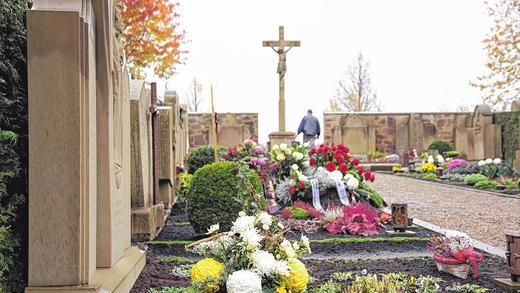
{"type": "Point", "coordinates": [203, 155]}
{"type": "Point", "coordinates": [510, 122]}
{"type": "Point", "coordinates": [486, 185]}
{"type": "Point", "coordinates": [452, 154]}
{"type": "Point", "coordinates": [329, 287]}
{"type": "Point", "coordinates": [474, 179]}
{"type": "Point", "coordinates": [512, 184]}
{"type": "Point", "coordinates": [430, 176]}
{"type": "Point", "coordinates": [467, 288]}
{"type": "Point", "coordinates": [342, 276]}
{"type": "Point", "coordinates": [219, 191]}
{"type": "Point", "coordinates": [185, 181]}
{"type": "Point", "coordinates": [493, 171]}
{"type": "Point", "coordinates": [182, 271]}
{"type": "Point", "coordinates": [441, 146]}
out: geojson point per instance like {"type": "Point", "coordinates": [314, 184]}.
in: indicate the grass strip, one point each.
{"type": "Point", "coordinates": [359, 240]}
{"type": "Point", "coordinates": [170, 242]}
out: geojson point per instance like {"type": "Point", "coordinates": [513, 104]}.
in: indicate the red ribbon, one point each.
{"type": "Point", "coordinates": [467, 255]}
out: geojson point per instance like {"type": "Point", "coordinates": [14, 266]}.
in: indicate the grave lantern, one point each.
{"type": "Point", "coordinates": [400, 220]}
{"type": "Point", "coordinates": [439, 171]}
{"type": "Point", "coordinates": [513, 262]}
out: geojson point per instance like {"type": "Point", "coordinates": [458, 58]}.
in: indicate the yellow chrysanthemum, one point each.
{"type": "Point", "coordinates": [281, 289]}
{"type": "Point", "coordinates": [298, 277]}
{"type": "Point", "coordinates": [204, 269]}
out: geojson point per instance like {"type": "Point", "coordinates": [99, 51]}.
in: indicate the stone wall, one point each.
{"type": "Point", "coordinates": [232, 128]}
{"type": "Point", "coordinates": [473, 133]}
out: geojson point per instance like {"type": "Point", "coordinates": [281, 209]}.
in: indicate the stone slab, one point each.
{"type": "Point", "coordinates": [120, 278]}
{"type": "Point", "coordinates": [166, 160]}
{"type": "Point", "coordinates": [280, 137]}
{"type": "Point", "coordinates": [507, 283]}
{"type": "Point", "coordinates": [166, 192]}
{"type": "Point", "coordinates": [147, 222]}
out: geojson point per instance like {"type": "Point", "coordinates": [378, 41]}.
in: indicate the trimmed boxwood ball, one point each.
{"type": "Point", "coordinates": [219, 191]}
{"type": "Point", "coordinates": [474, 179]}
{"type": "Point", "coordinates": [202, 156]}
{"type": "Point", "coordinates": [441, 146]}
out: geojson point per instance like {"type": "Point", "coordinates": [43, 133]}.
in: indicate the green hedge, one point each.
{"type": "Point", "coordinates": [203, 155]}
{"type": "Point", "coordinates": [219, 191]}
{"type": "Point", "coordinates": [510, 122]}
{"type": "Point", "coordinates": [13, 144]}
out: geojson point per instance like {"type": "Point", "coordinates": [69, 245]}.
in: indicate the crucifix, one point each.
{"type": "Point", "coordinates": [281, 47]}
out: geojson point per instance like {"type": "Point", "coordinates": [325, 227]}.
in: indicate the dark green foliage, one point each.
{"type": "Point", "coordinates": [510, 122]}
{"type": "Point", "coordinates": [441, 146]}
{"type": "Point", "coordinates": [493, 171]}
{"type": "Point", "coordinates": [202, 156]}
{"type": "Point", "coordinates": [13, 142]}
{"type": "Point", "coordinates": [219, 191]}
{"type": "Point", "coordinates": [486, 185]}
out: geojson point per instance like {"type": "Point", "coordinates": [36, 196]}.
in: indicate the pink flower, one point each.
{"type": "Point", "coordinates": [259, 149]}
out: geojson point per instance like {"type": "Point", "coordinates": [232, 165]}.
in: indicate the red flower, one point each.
{"type": "Point", "coordinates": [372, 177]}
{"type": "Point", "coordinates": [313, 161]}
{"type": "Point", "coordinates": [326, 149]}
{"type": "Point", "coordinates": [343, 168]}
{"type": "Point", "coordinates": [311, 151]}
{"type": "Point", "coordinates": [355, 162]}
{"type": "Point", "coordinates": [367, 175]}
{"type": "Point", "coordinates": [342, 146]}
{"type": "Point", "coordinates": [360, 170]}
{"type": "Point", "coordinates": [325, 155]}
{"type": "Point", "coordinates": [319, 150]}
{"type": "Point", "coordinates": [331, 166]}
{"type": "Point", "coordinates": [334, 148]}
{"type": "Point", "coordinates": [292, 190]}
{"type": "Point", "coordinates": [340, 160]}
{"type": "Point", "coordinates": [300, 185]}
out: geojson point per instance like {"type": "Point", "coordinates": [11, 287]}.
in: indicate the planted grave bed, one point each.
{"type": "Point", "coordinates": [336, 260]}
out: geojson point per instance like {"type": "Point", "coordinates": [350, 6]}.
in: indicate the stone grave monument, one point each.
{"type": "Point", "coordinates": [79, 152]}
{"type": "Point", "coordinates": [166, 155]}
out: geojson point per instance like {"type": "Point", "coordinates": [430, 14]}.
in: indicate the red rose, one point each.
{"type": "Point", "coordinates": [372, 177]}
{"type": "Point", "coordinates": [355, 162]}
{"type": "Point", "coordinates": [313, 161]}
{"type": "Point", "coordinates": [319, 150]}
{"type": "Point", "coordinates": [292, 190]}
{"type": "Point", "coordinates": [342, 146]}
{"type": "Point", "coordinates": [334, 148]}
{"type": "Point", "coordinates": [367, 175]}
{"type": "Point", "coordinates": [312, 151]}
{"type": "Point", "coordinates": [360, 170]}
{"type": "Point", "coordinates": [340, 160]}
{"type": "Point", "coordinates": [300, 185]}
{"type": "Point", "coordinates": [322, 145]}
{"type": "Point", "coordinates": [326, 148]}
{"type": "Point", "coordinates": [343, 168]}
{"type": "Point", "coordinates": [331, 166]}
{"type": "Point", "coordinates": [325, 155]}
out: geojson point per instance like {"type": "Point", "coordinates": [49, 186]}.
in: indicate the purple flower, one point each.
{"type": "Point", "coordinates": [457, 163]}
{"type": "Point", "coordinates": [259, 149]}
{"type": "Point", "coordinates": [261, 162]}
{"type": "Point", "coordinates": [254, 161]}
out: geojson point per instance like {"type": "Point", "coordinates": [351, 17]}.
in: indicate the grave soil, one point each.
{"type": "Point", "coordinates": [331, 253]}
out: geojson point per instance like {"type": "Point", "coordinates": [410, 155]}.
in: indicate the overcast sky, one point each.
{"type": "Point", "coordinates": [422, 53]}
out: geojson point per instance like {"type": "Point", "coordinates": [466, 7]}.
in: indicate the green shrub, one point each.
{"type": "Point", "coordinates": [493, 171]}
{"type": "Point", "coordinates": [203, 155]}
{"type": "Point", "coordinates": [512, 184]}
{"type": "Point", "coordinates": [486, 185]}
{"type": "Point", "coordinates": [474, 179]}
{"type": "Point", "coordinates": [452, 154]}
{"type": "Point", "coordinates": [430, 176]}
{"type": "Point", "coordinates": [441, 146]}
{"type": "Point", "coordinates": [219, 191]}
{"type": "Point", "coordinates": [185, 182]}
{"type": "Point", "coordinates": [329, 287]}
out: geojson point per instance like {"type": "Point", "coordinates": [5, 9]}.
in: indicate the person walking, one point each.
{"type": "Point", "coordinates": [310, 126]}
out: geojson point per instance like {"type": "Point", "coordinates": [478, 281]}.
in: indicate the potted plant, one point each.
{"type": "Point", "coordinates": [453, 254]}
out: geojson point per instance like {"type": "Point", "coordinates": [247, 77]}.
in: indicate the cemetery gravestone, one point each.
{"type": "Point", "coordinates": [165, 156]}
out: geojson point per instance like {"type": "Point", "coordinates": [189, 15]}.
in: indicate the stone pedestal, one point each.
{"type": "Point", "coordinates": [280, 137]}
{"type": "Point", "coordinates": [79, 151]}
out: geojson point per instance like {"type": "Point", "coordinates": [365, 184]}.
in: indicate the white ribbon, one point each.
{"type": "Point", "coordinates": [316, 195]}
{"type": "Point", "coordinates": [343, 197]}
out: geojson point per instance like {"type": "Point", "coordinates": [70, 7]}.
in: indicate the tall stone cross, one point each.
{"type": "Point", "coordinates": [281, 47]}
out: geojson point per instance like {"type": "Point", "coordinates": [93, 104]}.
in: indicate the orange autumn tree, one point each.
{"type": "Point", "coordinates": [152, 37]}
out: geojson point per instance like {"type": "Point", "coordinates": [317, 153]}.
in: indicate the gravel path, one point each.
{"type": "Point", "coordinates": [482, 216]}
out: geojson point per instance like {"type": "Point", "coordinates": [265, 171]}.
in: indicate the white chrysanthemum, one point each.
{"type": "Point", "coordinates": [497, 161]}
{"type": "Point", "coordinates": [336, 175]}
{"type": "Point", "coordinates": [489, 161]}
{"type": "Point", "coordinates": [280, 157]}
{"type": "Point", "coordinates": [264, 262]}
{"type": "Point", "coordinates": [226, 241]}
{"type": "Point", "coordinates": [305, 243]}
{"type": "Point", "coordinates": [296, 246]}
{"type": "Point", "coordinates": [282, 268]}
{"type": "Point", "coordinates": [244, 282]}
{"type": "Point", "coordinates": [440, 159]}
{"type": "Point", "coordinates": [243, 224]}
{"type": "Point", "coordinates": [251, 238]}
{"type": "Point", "coordinates": [283, 146]}
{"type": "Point", "coordinates": [295, 167]}
{"type": "Point", "coordinates": [286, 247]}
{"type": "Point", "coordinates": [213, 229]}
{"type": "Point", "coordinates": [352, 183]}
{"type": "Point", "coordinates": [275, 147]}
{"type": "Point", "coordinates": [297, 156]}
{"type": "Point", "coordinates": [430, 159]}
{"type": "Point", "coordinates": [265, 219]}
{"type": "Point", "coordinates": [287, 152]}
{"type": "Point", "coordinates": [302, 178]}
{"type": "Point", "coordinates": [481, 163]}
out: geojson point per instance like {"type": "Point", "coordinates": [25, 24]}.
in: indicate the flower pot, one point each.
{"type": "Point", "coordinates": [452, 266]}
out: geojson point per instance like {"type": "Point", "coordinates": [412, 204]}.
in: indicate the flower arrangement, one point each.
{"type": "Point", "coordinates": [393, 158]}
{"type": "Point", "coordinates": [457, 163]}
{"type": "Point", "coordinates": [428, 168]}
{"type": "Point", "coordinates": [252, 257]}
{"type": "Point", "coordinates": [249, 151]}
{"type": "Point", "coordinates": [292, 160]}
{"type": "Point", "coordinates": [454, 249]}
{"type": "Point", "coordinates": [359, 219]}
{"type": "Point", "coordinates": [300, 210]}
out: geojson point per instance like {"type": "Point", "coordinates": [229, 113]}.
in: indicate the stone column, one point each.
{"type": "Point", "coordinates": [62, 150]}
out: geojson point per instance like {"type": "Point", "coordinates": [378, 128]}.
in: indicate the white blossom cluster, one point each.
{"type": "Point", "coordinates": [489, 161]}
